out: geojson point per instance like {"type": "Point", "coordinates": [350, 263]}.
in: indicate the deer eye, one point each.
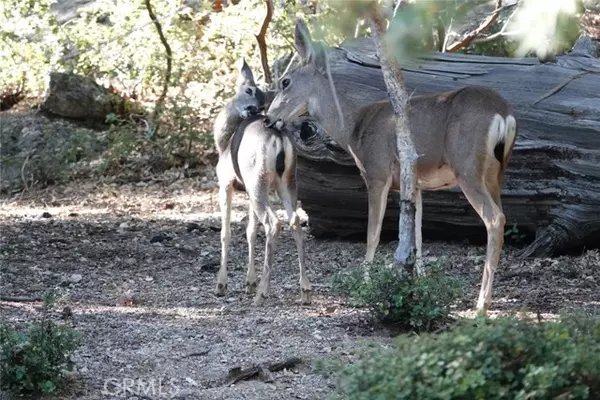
{"type": "Point", "coordinates": [249, 91]}
{"type": "Point", "coordinates": [285, 83]}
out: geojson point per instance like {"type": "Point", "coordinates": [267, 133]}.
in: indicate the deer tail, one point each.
{"type": "Point", "coordinates": [501, 136]}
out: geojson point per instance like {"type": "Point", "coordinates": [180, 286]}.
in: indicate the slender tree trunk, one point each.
{"type": "Point", "coordinates": [261, 38]}
{"type": "Point", "coordinates": [394, 81]}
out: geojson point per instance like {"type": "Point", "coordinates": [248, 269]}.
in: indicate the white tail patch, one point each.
{"type": "Point", "coordinates": [288, 148]}
{"type": "Point", "coordinates": [501, 130]}
{"type": "Point", "coordinates": [511, 133]}
{"type": "Point", "coordinates": [276, 145]}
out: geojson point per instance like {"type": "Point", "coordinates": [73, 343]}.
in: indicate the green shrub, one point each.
{"type": "Point", "coordinates": [34, 361]}
{"type": "Point", "coordinates": [486, 359]}
{"type": "Point", "coordinates": [398, 298]}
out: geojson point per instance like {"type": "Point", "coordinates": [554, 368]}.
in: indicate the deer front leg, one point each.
{"type": "Point", "coordinates": [251, 233]}
{"type": "Point", "coordinates": [378, 193]}
{"type": "Point", "coordinates": [288, 196]}
{"type": "Point", "coordinates": [494, 220]}
{"type": "Point", "coordinates": [225, 192]}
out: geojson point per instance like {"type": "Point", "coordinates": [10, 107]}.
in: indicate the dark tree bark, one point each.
{"type": "Point", "coordinates": [552, 185]}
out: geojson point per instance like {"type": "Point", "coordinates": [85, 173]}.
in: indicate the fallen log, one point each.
{"type": "Point", "coordinates": [552, 185]}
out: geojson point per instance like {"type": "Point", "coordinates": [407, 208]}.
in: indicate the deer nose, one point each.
{"type": "Point", "coordinates": [252, 110]}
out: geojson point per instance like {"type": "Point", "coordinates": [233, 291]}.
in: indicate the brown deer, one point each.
{"type": "Point", "coordinates": [463, 137]}
{"type": "Point", "coordinates": [260, 155]}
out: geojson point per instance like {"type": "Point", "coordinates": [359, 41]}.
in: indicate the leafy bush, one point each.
{"type": "Point", "coordinates": [396, 297]}
{"type": "Point", "coordinates": [505, 358]}
{"type": "Point", "coordinates": [34, 361]}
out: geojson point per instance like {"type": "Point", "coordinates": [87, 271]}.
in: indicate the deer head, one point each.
{"type": "Point", "coordinates": [249, 99]}
{"type": "Point", "coordinates": [307, 88]}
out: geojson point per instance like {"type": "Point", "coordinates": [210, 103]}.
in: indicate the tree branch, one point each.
{"type": "Point", "coordinates": [501, 33]}
{"type": "Point", "coordinates": [262, 42]}
{"type": "Point", "coordinates": [466, 41]}
{"type": "Point", "coordinates": [159, 103]}
{"type": "Point", "coordinates": [394, 81]}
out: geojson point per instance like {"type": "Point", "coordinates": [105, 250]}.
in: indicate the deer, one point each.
{"type": "Point", "coordinates": [258, 154]}
{"type": "Point", "coordinates": [462, 137]}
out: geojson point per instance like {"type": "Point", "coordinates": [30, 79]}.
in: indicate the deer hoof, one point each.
{"type": "Point", "coordinates": [306, 296]}
{"type": "Point", "coordinates": [260, 299]}
{"type": "Point", "coordinates": [251, 287]}
{"type": "Point", "coordinates": [220, 289]}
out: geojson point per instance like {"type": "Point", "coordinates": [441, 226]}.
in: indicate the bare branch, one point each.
{"type": "Point", "coordinates": [159, 103]}
{"type": "Point", "coordinates": [262, 42]}
{"type": "Point", "coordinates": [502, 31]}
{"type": "Point", "coordinates": [289, 64]}
{"type": "Point", "coordinates": [332, 87]}
{"type": "Point", "coordinates": [466, 41]}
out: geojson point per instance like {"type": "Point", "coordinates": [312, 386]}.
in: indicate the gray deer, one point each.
{"type": "Point", "coordinates": [463, 137]}
{"type": "Point", "coordinates": [260, 155]}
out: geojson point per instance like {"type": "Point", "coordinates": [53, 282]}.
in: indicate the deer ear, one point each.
{"type": "Point", "coordinates": [318, 57]}
{"type": "Point", "coordinates": [245, 73]}
{"type": "Point", "coordinates": [302, 40]}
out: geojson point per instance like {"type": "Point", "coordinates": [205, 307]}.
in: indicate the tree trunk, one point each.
{"type": "Point", "coordinates": [552, 185]}
{"type": "Point", "coordinates": [392, 75]}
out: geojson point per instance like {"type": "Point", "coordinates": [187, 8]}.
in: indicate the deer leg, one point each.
{"type": "Point", "coordinates": [418, 233]}
{"type": "Point", "coordinates": [272, 229]}
{"type": "Point", "coordinates": [225, 192]}
{"type": "Point", "coordinates": [258, 193]}
{"type": "Point", "coordinates": [251, 233]}
{"type": "Point", "coordinates": [493, 218]}
{"type": "Point", "coordinates": [288, 196]}
{"type": "Point", "coordinates": [378, 193]}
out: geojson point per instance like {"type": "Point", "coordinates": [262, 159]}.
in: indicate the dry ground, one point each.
{"type": "Point", "coordinates": [98, 243]}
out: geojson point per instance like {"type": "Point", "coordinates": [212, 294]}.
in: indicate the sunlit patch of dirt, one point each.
{"type": "Point", "coordinates": [136, 264]}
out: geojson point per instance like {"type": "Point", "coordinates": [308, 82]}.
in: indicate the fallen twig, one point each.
{"type": "Point", "coordinates": [197, 354]}
{"type": "Point", "coordinates": [238, 374]}
{"type": "Point", "coordinates": [18, 299]}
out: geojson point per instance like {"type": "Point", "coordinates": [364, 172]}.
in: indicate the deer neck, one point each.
{"type": "Point", "coordinates": [329, 119]}
{"type": "Point", "coordinates": [225, 125]}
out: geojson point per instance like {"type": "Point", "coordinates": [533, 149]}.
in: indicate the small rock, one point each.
{"type": "Point", "coordinates": [76, 278]}
{"type": "Point", "coordinates": [148, 279]}
{"type": "Point", "coordinates": [208, 185]}
{"type": "Point", "coordinates": [192, 226]}
{"type": "Point", "coordinates": [46, 214]}
{"type": "Point", "coordinates": [161, 237]}
{"type": "Point", "coordinates": [191, 381]}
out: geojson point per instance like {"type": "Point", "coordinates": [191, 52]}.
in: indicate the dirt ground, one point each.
{"type": "Point", "coordinates": [100, 245]}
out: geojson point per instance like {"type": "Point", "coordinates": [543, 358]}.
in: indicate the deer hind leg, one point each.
{"type": "Point", "coordinates": [378, 193]}
{"type": "Point", "coordinates": [483, 202]}
{"type": "Point", "coordinates": [225, 192]}
{"type": "Point", "coordinates": [259, 200]}
{"type": "Point", "coordinates": [251, 233]}
{"type": "Point", "coordinates": [288, 194]}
